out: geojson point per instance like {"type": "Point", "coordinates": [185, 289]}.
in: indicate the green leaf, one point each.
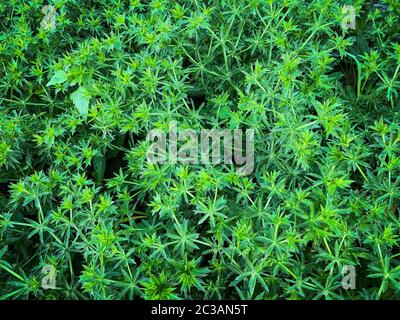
{"type": "Point", "coordinates": [224, 112]}
{"type": "Point", "coordinates": [81, 99]}
{"type": "Point", "coordinates": [58, 78]}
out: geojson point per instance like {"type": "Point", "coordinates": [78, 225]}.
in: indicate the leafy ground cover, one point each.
{"type": "Point", "coordinates": [78, 94]}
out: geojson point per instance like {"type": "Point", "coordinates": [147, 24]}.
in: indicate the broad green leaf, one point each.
{"type": "Point", "coordinates": [58, 78]}
{"type": "Point", "coordinates": [81, 99]}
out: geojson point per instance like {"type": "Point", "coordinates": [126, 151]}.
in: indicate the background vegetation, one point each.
{"type": "Point", "coordinates": [77, 100]}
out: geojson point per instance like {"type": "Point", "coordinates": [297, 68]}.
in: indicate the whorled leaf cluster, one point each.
{"type": "Point", "coordinates": [76, 192]}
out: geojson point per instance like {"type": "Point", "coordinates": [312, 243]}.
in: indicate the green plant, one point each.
{"type": "Point", "coordinates": [76, 191]}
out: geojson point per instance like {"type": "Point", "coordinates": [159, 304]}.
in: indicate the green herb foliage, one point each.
{"type": "Point", "coordinates": [76, 191]}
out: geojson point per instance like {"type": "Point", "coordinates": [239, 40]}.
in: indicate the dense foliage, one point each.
{"type": "Point", "coordinates": [76, 192]}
